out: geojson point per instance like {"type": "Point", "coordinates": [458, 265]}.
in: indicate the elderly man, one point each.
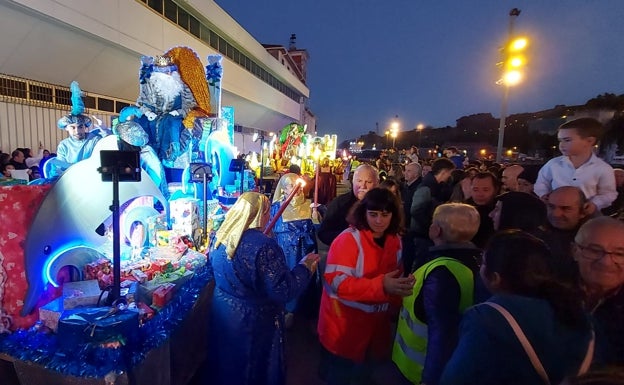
{"type": "Point", "coordinates": [334, 221]}
{"type": "Point", "coordinates": [566, 209]}
{"type": "Point", "coordinates": [510, 177]}
{"type": "Point", "coordinates": [599, 251]}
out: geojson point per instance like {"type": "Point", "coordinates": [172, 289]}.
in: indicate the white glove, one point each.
{"type": "Point", "coordinates": [150, 115]}
{"type": "Point", "coordinates": [174, 113]}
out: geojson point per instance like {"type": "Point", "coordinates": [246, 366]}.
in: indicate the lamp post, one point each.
{"type": "Point", "coordinates": [511, 75]}
{"type": "Point", "coordinates": [394, 130]}
{"type": "Point", "coordinates": [387, 133]}
{"type": "Point", "coordinates": [420, 127]}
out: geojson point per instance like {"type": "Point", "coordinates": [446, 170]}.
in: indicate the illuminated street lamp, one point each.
{"type": "Point", "coordinates": [394, 130]}
{"type": "Point", "coordinates": [420, 127]}
{"type": "Point", "coordinates": [387, 133]}
{"type": "Point", "coordinates": [514, 61]}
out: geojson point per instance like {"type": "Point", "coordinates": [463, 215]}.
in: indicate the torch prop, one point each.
{"type": "Point", "coordinates": [315, 214]}
{"type": "Point", "coordinates": [298, 186]}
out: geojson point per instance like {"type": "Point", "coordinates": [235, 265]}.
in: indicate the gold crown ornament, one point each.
{"type": "Point", "coordinates": [163, 61]}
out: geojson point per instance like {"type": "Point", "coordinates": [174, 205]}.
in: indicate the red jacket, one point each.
{"type": "Point", "coordinates": [355, 313]}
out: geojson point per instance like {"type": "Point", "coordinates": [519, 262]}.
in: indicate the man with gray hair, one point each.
{"type": "Point", "coordinates": [365, 177]}
{"type": "Point", "coordinates": [599, 251]}
{"type": "Point", "coordinates": [427, 331]}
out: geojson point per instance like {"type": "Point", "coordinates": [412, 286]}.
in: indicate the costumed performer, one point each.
{"type": "Point", "coordinates": [363, 290]}
{"type": "Point", "coordinates": [252, 285]}
{"type": "Point", "coordinates": [166, 99]}
{"type": "Point", "coordinates": [81, 141]}
{"type": "Point", "coordinates": [294, 230]}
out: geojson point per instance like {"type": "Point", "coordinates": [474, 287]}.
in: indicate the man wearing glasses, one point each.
{"type": "Point", "coordinates": [599, 251]}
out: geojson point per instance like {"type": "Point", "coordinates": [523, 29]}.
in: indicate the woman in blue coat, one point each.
{"type": "Point", "coordinates": [550, 315]}
{"type": "Point", "coordinates": [252, 285]}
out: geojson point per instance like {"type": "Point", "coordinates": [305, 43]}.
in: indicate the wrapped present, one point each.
{"type": "Point", "coordinates": [145, 312]}
{"type": "Point", "coordinates": [19, 206]}
{"type": "Point", "coordinates": [50, 313]}
{"type": "Point", "coordinates": [81, 293]}
{"type": "Point", "coordinates": [101, 270]}
{"type": "Point", "coordinates": [185, 215]}
{"type": "Point", "coordinates": [192, 260]}
{"type": "Point", "coordinates": [155, 224]}
{"type": "Point", "coordinates": [178, 277]}
{"type": "Point", "coordinates": [163, 237]}
{"type": "Point", "coordinates": [140, 276]}
{"type": "Point", "coordinates": [97, 325]}
{"type": "Point", "coordinates": [163, 294]}
{"type": "Point", "coordinates": [129, 290]}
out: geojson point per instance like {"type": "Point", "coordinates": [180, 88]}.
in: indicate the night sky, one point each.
{"type": "Point", "coordinates": [433, 62]}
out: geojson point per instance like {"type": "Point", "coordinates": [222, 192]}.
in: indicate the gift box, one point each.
{"type": "Point", "coordinates": [154, 224]}
{"type": "Point", "coordinates": [163, 294]}
{"type": "Point", "coordinates": [140, 276]}
{"type": "Point", "coordinates": [50, 313]}
{"type": "Point", "coordinates": [81, 293]}
{"type": "Point", "coordinates": [163, 237]}
{"type": "Point", "coordinates": [178, 277]}
{"type": "Point", "coordinates": [97, 325]}
{"type": "Point", "coordinates": [101, 270]}
{"type": "Point", "coordinates": [129, 290]}
{"type": "Point", "coordinates": [19, 206]}
{"type": "Point", "coordinates": [145, 312]}
{"type": "Point", "coordinates": [193, 260]}
{"type": "Point", "coordinates": [184, 215]}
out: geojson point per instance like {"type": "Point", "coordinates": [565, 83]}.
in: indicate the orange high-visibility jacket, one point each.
{"type": "Point", "coordinates": [355, 312]}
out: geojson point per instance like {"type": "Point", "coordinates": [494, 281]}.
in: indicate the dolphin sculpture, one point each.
{"type": "Point", "coordinates": [70, 217]}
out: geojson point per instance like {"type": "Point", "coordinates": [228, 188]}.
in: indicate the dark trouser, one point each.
{"type": "Point", "coordinates": [338, 370]}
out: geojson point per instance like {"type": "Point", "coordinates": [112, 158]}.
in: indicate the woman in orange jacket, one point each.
{"type": "Point", "coordinates": [362, 289]}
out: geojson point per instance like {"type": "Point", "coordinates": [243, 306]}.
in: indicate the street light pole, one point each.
{"type": "Point", "coordinates": [501, 127]}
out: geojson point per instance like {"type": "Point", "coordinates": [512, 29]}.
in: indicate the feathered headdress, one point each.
{"type": "Point", "coordinates": [76, 116]}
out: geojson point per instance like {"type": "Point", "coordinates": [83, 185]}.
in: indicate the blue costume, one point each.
{"type": "Point", "coordinates": [297, 239]}
{"type": "Point", "coordinates": [247, 314]}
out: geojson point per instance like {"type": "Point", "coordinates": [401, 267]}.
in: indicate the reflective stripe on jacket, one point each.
{"type": "Point", "coordinates": [353, 317]}
{"type": "Point", "coordinates": [357, 272]}
{"type": "Point", "coordinates": [410, 344]}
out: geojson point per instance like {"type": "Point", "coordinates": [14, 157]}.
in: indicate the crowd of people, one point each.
{"type": "Point", "coordinates": [25, 160]}
{"type": "Point", "coordinates": [458, 273]}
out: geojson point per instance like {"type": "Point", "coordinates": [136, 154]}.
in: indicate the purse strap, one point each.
{"type": "Point", "coordinates": [528, 348]}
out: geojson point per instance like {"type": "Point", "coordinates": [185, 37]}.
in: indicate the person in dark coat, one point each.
{"type": "Point", "coordinates": [453, 227]}
{"type": "Point", "coordinates": [252, 285]}
{"type": "Point", "coordinates": [550, 314]}
{"type": "Point", "coordinates": [365, 177]}
{"type": "Point", "coordinates": [484, 189]}
{"type": "Point", "coordinates": [428, 196]}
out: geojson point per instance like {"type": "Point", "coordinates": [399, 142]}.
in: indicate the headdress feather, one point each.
{"type": "Point", "coordinates": [76, 99]}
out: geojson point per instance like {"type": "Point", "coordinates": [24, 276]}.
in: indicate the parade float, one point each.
{"type": "Point", "coordinates": [103, 273]}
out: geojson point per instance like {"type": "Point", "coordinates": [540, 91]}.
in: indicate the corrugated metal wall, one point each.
{"type": "Point", "coordinates": [23, 125]}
